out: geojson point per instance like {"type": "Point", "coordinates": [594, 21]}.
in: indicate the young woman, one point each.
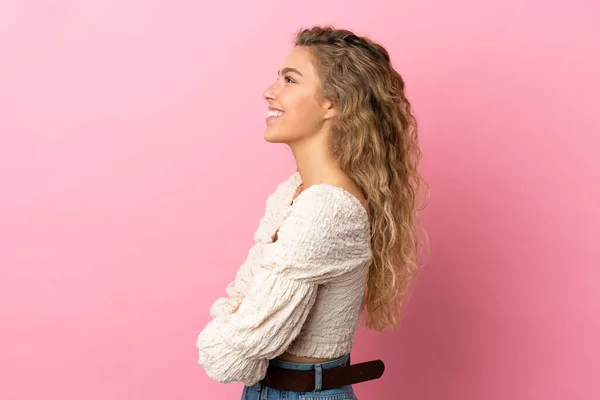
{"type": "Point", "coordinates": [338, 235]}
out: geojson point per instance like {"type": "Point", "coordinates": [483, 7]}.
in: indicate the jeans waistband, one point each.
{"type": "Point", "coordinates": [310, 366]}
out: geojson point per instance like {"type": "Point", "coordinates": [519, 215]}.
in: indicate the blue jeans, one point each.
{"type": "Point", "coordinates": [262, 392]}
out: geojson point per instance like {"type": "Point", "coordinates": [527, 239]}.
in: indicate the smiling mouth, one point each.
{"type": "Point", "coordinates": [274, 114]}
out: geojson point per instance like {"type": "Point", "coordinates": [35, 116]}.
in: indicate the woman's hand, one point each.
{"type": "Point", "coordinates": [238, 306]}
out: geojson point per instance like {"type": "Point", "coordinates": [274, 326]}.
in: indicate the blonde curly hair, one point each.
{"type": "Point", "coordinates": [374, 138]}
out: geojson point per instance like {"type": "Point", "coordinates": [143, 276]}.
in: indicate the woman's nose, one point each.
{"type": "Point", "coordinates": [270, 92]}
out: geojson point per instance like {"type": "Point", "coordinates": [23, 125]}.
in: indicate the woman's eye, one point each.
{"type": "Point", "coordinates": [287, 78]}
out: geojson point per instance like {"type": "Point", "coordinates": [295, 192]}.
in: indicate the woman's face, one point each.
{"type": "Point", "coordinates": [295, 111]}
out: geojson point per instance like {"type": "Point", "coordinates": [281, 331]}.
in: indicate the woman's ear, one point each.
{"type": "Point", "coordinates": [330, 109]}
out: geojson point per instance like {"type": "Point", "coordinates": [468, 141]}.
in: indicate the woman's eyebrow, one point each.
{"type": "Point", "coordinates": [287, 69]}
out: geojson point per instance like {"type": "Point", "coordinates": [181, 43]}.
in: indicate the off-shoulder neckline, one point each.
{"type": "Point", "coordinates": [296, 179]}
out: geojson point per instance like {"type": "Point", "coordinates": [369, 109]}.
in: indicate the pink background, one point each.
{"type": "Point", "coordinates": [133, 174]}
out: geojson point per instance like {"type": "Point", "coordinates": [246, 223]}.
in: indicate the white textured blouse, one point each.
{"type": "Point", "coordinates": [302, 293]}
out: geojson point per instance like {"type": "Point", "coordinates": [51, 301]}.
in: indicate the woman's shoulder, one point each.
{"type": "Point", "coordinates": [337, 200]}
{"type": "Point", "coordinates": [328, 207]}
{"type": "Point", "coordinates": [326, 233]}
{"type": "Point", "coordinates": [333, 195]}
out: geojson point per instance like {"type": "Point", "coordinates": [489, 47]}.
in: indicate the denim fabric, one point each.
{"type": "Point", "coordinates": [262, 392]}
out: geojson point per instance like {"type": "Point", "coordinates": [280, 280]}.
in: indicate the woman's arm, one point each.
{"type": "Point", "coordinates": [237, 347]}
{"type": "Point", "coordinates": [320, 240]}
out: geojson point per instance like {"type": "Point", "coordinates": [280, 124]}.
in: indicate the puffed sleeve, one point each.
{"type": "Point", "coordinates": [320, 239]}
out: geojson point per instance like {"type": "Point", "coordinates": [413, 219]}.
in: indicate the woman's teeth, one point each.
{"type": "Point", "coordinates": [274, 113]}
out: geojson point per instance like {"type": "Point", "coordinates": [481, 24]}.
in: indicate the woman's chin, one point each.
{"type": "Point", "coordinates": [271, 136]}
